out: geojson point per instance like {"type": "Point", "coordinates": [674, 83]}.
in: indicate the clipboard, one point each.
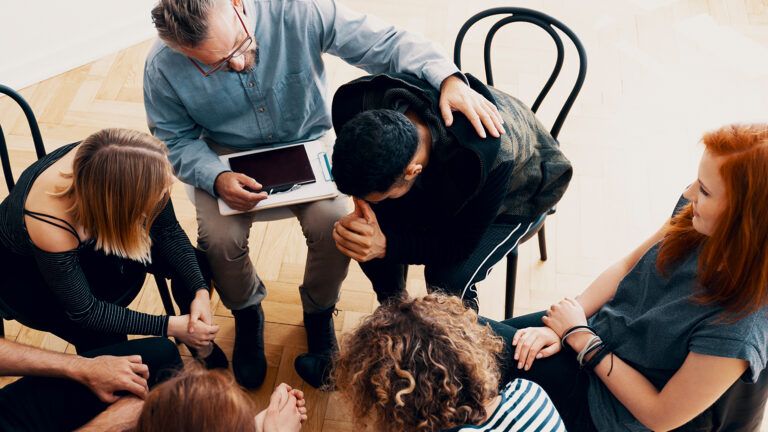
{"type": "Point", "coordinates": [304, 184]}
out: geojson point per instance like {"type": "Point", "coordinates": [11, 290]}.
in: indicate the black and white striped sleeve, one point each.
{"type": "Point", "coordinates": [65, 277]}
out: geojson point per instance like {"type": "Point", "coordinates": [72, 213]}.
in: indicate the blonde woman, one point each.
{"type": "Point", "coordinates": [425, 365]}
{"type": "Point", "coordinates": [79, 232]}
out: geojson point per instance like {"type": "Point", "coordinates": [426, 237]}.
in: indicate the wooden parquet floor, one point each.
{"type": "Point", "coordinates": [661, 73]}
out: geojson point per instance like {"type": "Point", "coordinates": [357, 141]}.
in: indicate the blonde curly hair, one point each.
{"type": "Point", "coordinates": [422, 364]}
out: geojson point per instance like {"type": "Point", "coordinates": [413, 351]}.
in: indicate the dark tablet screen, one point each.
{"type": "Point", "coordinates": [276, 169]}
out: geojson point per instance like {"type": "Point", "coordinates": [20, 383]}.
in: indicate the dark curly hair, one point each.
{"type": "Point", "coordinates": [421, 364]}
{"type": "Point", "coordinates": [372, 150]}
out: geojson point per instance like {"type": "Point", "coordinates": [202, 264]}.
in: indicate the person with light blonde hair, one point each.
{"type": "Point", "coordinates": [79, 232]}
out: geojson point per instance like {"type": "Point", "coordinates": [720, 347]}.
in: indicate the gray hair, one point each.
{"type": "Point", "coordinates": [182, 22]}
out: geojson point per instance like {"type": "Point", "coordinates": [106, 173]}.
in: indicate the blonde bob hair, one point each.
{"type": "Point", "coordinates": [120, 183]}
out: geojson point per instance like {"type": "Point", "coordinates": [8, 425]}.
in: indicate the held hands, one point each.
{"type": "Point", "coordinates": [197, 335]}
{"type": "Point", "coordinates": [534, 343]}
{"type": "Point", "coordinates": [456, 95]}
{"type": "Point", "coordinates": [564, 315]}
{"type": "Point", "coordinates": [107, 375]}
{"type": "Point", "coordinates": [231, 187]}
{"type": "Point", "coordinates": [358, 234]}
{"type": "Point", "coordinates": [200, 310]}
{"type": "Point", "coordinates": [286, 412]}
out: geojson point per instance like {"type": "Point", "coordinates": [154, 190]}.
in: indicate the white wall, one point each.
{"type": "Point", "coordinates": [43, 38]}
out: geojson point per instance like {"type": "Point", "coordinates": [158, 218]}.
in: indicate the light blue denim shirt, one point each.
{"type": "Point", "coordinates": [283, 99]}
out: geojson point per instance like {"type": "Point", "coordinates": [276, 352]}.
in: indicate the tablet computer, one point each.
{"type": "Point", "coordinates": [291, 174]}
{"type": "Point", "coordinates": [278, 170]}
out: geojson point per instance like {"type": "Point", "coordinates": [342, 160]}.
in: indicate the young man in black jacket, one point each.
{"type": "Point", "coordinates": [440, 196]}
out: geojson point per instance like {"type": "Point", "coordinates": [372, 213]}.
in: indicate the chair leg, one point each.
{"type": "Point", "coordinates": [165, 295]}
{"type": "Point", "coordinates": [509, 301]}
{"type": "Point", "coordinates": [542, 244]}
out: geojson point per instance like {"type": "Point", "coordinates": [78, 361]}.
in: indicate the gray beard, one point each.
{"type": "Point", "coordinates": [251, 59]}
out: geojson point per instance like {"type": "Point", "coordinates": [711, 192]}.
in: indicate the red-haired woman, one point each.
{"type": "Point", "coordinates": [666, 331]}
{"type": "Point", "coordinates": [198, 400]}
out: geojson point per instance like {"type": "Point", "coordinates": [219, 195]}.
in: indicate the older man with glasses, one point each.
{"type": "Point", "coordinates": [235, 75]}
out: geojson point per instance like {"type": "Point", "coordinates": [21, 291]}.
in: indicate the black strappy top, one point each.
{"type": "Point", "coordinates": [55, 221]}
{"type": "Point", "coordinates": [63, 274]}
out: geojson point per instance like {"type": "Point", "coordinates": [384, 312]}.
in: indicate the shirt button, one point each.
{"type": "Point", "coordinates": [262, 109]}
{"type": "Point", "coordinates": [251, 84]}
{"type": "Point", "coordinates": [269, 136]}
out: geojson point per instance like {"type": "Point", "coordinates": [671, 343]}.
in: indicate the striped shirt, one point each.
{"type": "Point", "coordinates": [524, 407]}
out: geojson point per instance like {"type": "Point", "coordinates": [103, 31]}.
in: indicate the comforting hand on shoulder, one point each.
{"type": "Point", "coordinates": [456, 95]}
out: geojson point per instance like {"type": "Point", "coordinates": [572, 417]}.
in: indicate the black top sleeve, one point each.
{"type": "Point", "coordinates": [453, 239]}
{"type": "Point", "coordinates": [64, 276]}
{"type": "Point", "coordinates": [173, 246]}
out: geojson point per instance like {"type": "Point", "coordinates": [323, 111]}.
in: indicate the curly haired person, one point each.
{"type": "Point", "coordinates": [425, 364]}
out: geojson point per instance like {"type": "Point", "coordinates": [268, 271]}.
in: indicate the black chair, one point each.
{"type": "Point", "coordinates": [550, 25]}
{"type": "Point", "coordinates": [5, 311]}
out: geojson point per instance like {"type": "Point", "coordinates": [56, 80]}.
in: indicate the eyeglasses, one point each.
{"type": "Point", "coordinates": [240, 50]}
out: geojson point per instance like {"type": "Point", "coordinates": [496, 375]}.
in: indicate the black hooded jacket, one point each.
{"type": "Point", "coordinates": [469, 182]}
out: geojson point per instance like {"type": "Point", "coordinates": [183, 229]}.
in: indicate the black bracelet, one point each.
{"type": "Point", "coordinates": [596, 349]}
{"type": "Point", "coordinates": [597, 358]}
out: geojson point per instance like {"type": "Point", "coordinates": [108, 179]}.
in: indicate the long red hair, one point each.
{"type": "Point", "coordinates": [733, 261]}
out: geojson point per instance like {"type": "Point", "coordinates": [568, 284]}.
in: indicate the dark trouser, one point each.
{"type": "Point", "coordinates": [56, 404]}
{"type": "Point", "coordinates": [459, 279]}
{"type": "Point", "coordinates": [111, 279]}
{"type": "Point", "coordinates": [559, 375]}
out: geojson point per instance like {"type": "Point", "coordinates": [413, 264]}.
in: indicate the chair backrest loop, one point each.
{"type": "Point", "coordinates": [33, 127]}
{"type": "Point", "coordinates": [548, 24]}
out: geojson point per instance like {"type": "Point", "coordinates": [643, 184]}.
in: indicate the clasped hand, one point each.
{"type": "Point", "coordinates": [358, 234]}
{"type": "Point", "coordinates": [535, 343]}
{"type": "Point", "coordinates": [287, 411]}
{"type": "Point", "coordinates": [196, 329]}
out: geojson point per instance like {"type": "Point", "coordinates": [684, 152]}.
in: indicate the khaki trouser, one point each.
{"type": "Point", "coordinates": [224, 239]}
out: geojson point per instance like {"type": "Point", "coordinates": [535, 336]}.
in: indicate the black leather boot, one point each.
{"type": "Point", "coordinates": [248, 361]}
{"type": "Point", "coordinates": [315, 366]}
{"type": "Point", "coordinates": [215, 360]}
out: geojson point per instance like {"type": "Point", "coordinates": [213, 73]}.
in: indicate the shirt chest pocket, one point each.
{"type": "Point", "coordinates": [295, 96]}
